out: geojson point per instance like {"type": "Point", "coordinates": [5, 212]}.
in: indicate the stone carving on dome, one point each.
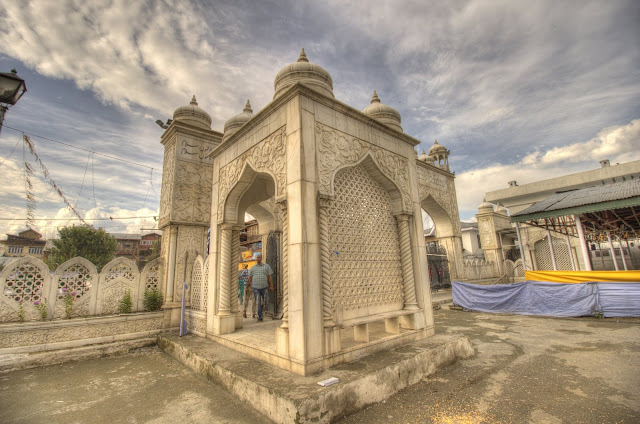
{"type": "Point", "coordinates": [266, 156]}
{"type": "Point", "coordinates": [193, 192]}
{"type": "Point", "coordinates": [166, 194]}
{"type": "Point", "coordinates": [338, 149]}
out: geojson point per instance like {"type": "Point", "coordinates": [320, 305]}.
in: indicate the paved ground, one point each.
{"type": "Point", "coordinates": [146, 386]}
{"type": "Point", "coordinates": [528, 370]}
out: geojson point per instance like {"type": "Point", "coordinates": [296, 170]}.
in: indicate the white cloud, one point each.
{"type": "Point", "coordinates": [619, 144]}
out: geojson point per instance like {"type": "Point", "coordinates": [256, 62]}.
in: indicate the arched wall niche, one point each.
{"type": "Point", "coordinates": [252, 187]}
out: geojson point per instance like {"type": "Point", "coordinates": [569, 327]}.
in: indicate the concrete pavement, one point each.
{"type": "Point", "coordinates": [526, 370]}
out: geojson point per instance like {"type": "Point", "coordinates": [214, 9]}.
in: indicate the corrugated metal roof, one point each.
{"type": "Point", "coordinates": [585, 196]}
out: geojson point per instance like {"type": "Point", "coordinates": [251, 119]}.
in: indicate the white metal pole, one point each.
{"type": "Point", "coordinates": [573, 265]}
{"type": "Point", "coordinates": [583, 243]}
{"type": "Point", "coordinates": [624, 261]}
{"type": "Point", "coordinates": [522, 254]}
{"type": "Point", "coordinates": [613, 252]}
{"type": "Point", "coordinates": [553, 253]}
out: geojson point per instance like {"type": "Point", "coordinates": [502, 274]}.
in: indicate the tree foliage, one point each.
{"type": "Point", "coordinates": [95, 245]}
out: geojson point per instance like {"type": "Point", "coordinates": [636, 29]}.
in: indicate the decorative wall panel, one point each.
{"type": "Point", "coordinates": [363, 238]}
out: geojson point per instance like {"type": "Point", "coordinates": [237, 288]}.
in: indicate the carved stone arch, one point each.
{"type": "Point", "coordinates": [117, 277]}
{"type": "Point", "coordinates": [77, 275]}
{"type": "Point", "coordinates": [263, 215]}
{"type": "Point", "coordinates": [13, 282]}
{"type": "Point", "coordinates": [150, 277]}
{"type": "Point", "coordinates": [119, 266]}
{"type": "Point", "coordinates": [376, 173]}
{"type": "Point", "coordinates": [441, 218]}
{"type": "Point", "coordinates": [251, 187]}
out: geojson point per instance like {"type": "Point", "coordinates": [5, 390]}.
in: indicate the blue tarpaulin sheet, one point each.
{"type": "Point", "coordinates": [550, 299]}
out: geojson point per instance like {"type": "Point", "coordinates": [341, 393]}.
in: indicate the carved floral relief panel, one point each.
{"type": "Point", "coordinates": [266, 156]}
{"type": "Point", "coordinates": [193, 192]}
{"type": "Point", "coordinates": [166, 193]}
{"type": "Point", "coordinates": [337, 149]}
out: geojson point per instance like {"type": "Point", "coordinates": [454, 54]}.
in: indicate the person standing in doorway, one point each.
{"type": "Point", "coordinates": [260, 278]}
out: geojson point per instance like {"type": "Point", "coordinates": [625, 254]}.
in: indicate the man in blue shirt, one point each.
{"type": "Point", "coordinates": [260, 279]}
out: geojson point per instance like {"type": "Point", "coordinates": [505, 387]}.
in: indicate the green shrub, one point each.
{"type": "Point", "coordinates": [126, 305]}
{"type": "Point", "coordinates": [152, 300]}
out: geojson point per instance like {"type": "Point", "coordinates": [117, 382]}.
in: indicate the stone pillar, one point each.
{"type": "Point", "coordinates": [282, 333]}
{"type": "Point", "coordinates": [285, 264]}
{"type": "Point", "coordinates": [410, 302]}
{"type": "Point", "coordinates": [332, 342]}
{"type": "Point", "coordinates": [224, 321]}
{"type": "Point", "coordinates": [552, 251]}
{"type": "Point", "coordinates": [235, 254]}
{"type": "Point", "coordinates": [225, 271]}
{"type": "Point", "coordinates": [323, 221]}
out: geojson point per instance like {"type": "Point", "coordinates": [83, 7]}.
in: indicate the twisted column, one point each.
{"type": "Point", "coordinates": [285, 264]}
{"type": "Point", "coordinates": [407, 263]}
{"type": "Point", "coordinates": [235, 253]}
{"type": "Point", "coordinates": [225, 271]}
{"type": "Point", "coordinates": [327, 296]}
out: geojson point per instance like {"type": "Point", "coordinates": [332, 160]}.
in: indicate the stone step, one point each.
{"type": "Point", "coordinates": [285, 397]}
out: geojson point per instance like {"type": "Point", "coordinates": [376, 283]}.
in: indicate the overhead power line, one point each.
{"type": "Point", "coordinates": [111, 218]}
{"type": "Point", "coordinates": [83, 149]}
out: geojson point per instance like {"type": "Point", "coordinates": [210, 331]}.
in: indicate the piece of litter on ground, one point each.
{"type": "Point", "coordinates": [59, 401]}
{"type": "Point", "coordinates": [328, 382]}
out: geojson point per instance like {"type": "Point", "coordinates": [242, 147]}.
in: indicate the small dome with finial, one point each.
{"type": "Point", "coordinates": [485, 206]}
{"type": "Point", "coordinates": [424, 157]}
{"type": "Point", "coordinates": [310, 74]}
{"type": "Point", "coordinates": [193, 114]}
{"type": "Point", "coordinates": [501, 210]}
{"type": "Point", "coordinates": [234, 124]}
{"type": "Point", "coordinates": [437, 148]}
{"type": "Point", "coordinates": [383, 113]}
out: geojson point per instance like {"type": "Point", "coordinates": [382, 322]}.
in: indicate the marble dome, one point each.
{"type": "Point", "coordinates": [383, 113]}
{"type": "Point", "coordinates": [310, 74]}
{"type": "Point", "coordinates": [234, 123]}
{"type": "Point", "coordinates": [193, 114]}
{"type": "Point", "coordinates": [437, 148]}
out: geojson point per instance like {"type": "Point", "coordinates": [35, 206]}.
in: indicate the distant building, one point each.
{"type": "Point", "coordinates": [26, 243]}
{"type": "Point", "coordinates": [135, 246]}
{"type": "Point", "coordinates": [146, 245]}
{"type": "Point", "coordinates": [536, 246]}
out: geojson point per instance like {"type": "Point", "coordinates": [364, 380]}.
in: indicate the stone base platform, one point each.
{"type": "Point", "coordinates": [285, 397]}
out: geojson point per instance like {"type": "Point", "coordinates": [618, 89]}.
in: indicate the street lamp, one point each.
{"type": "Point", "coordinates": [12, 87]}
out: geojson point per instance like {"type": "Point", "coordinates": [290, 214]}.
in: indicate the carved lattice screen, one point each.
{"type": "Point", "coordinates": [196, 287]}
{"type": "Point", "coordinates": [543, 254]}
{"type": "Point", "coordinates": [363, 240]}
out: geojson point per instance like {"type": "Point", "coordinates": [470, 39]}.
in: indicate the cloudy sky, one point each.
{"type": "Point", "coordinates": [517, 90]}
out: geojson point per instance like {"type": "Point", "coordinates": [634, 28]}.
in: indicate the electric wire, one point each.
{"type": "Point", "coordinates": [81, 148]}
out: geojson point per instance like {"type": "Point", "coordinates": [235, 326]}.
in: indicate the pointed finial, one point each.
{"type": "Point", "coordinates": [193, 100]}
{"type": "Point", "coordinates": [423, 152]}
{"type": "Point", "coordinates": [247, 107]}
{"type": "Point", "coordinates": [303, 56]}
{"type": "Point", "coordinates": [435, 142]}
{"type": "Point", "coordinates": [375, 98]}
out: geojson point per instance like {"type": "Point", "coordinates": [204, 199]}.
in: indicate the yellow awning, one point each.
{"type": "Point", "coordinates": [584, 276]}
